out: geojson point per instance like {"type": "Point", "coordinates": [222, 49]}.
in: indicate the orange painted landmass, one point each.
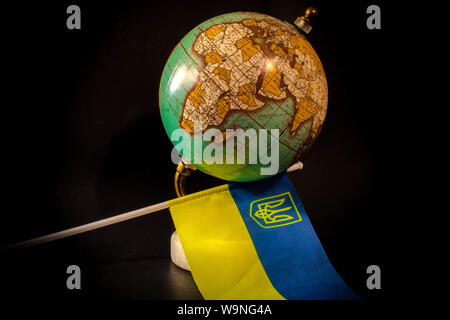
{"type": "Point", "coordinates": [246, 94]}
{"type": "Point", "coordinates": [214, 31]}
{"type": "Point", "coordinates": [305, 110]}
{"type": "Point", "coordinates": [223, 106]}
{"type": "Point", "coordinates": [196, 96]}
{"type": "Point", "coordinates": [306, 48]}
{"type": "Point", "coordinates": [278, 51]}
{"type": "Point", "coordinates": [271, 81]}
{"type": "Point", "coordinates": [223, 74]}
{"type": "Point", "coordinates": [247, 48]}
{"type": "Point", "coordinates": [187, 124]}
{"type": "Point", "coordinates": [213, 57]}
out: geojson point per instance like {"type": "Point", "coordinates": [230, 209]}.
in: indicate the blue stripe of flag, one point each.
{"type": "Point", "coordinates": [291, 254]}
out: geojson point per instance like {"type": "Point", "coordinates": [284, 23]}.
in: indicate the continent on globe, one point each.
{"type": "Point", "coordinates": [247, 63]}
{"type": "Point", "coordinates": [245, 70]}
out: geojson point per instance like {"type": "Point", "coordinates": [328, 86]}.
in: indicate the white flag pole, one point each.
{"type": "Point", "coordinates": [90, 226]}
{"type": "Point", "coordinates": [106, 222]}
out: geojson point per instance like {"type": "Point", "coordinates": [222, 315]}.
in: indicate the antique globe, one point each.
{"type": "Point", "coordinates": [244, 70]}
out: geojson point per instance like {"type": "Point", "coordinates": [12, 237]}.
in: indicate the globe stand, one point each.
{"type": "Point", "coordinates": [177, 253]}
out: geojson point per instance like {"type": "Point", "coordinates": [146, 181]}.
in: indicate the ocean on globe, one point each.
{"type": "Point", "coordinates": [245, 70]}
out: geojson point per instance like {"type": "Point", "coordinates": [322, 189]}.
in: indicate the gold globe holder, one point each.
{"type": "Point", "coordinates": [304, 22]}
{"type": "Point", "coordinates": [184, 170]}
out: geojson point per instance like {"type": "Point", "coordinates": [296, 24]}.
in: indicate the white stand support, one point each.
{"type": "Point", "coordinates": [177, 253]}
{"type": "Point", "coordinates": [176, 250]}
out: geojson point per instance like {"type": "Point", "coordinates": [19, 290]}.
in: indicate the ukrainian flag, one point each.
{"type": "Point", "coordinates": [254, 241]}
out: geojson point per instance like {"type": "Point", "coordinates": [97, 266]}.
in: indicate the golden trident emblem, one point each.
{"type": "Point", "coordinates": [269, 213]}
{"type": "Point", "coordinates": [275, 211]}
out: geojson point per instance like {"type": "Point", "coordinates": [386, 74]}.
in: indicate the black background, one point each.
{"type": "Point", "coordinates": [82, 140]}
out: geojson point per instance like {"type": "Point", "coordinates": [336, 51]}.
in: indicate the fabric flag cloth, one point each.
{"type": "Point", "coordinates": [252, 241]}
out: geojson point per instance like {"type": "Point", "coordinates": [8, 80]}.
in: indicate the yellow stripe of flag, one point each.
{"type": "Point", "coordinates": [214, 237]}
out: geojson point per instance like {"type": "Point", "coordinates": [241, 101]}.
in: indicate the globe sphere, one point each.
{"type": "Point", "coordinates": [246, 71]}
